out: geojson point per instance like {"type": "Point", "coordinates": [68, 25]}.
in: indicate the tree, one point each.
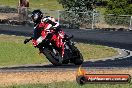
{"type": "Point", "coordinates": [101, 3]}
{"type": "Point", "coordinates": [77, 5]}
{"type": "Point", "coordinates": [74, 15]}
{"type": "Point", "coordinates": [119, 7]}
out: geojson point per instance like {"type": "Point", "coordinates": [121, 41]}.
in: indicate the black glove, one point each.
{"type": "Point", "coordinates": [26, 41]}
{"type": "Point", "coordinates": [57, 29]}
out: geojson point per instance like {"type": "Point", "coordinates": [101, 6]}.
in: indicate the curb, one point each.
{"type": "Point", "coordinates": [113, 29]}
{"type": "Point", "coordinates": [122, 55]}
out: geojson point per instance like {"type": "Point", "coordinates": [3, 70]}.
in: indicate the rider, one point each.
{"type": "Point", "coordinates": [42, 24]}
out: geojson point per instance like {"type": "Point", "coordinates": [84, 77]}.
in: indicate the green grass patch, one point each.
{"type": "Point", "coordinates": [41, 4]}
{"type": "Point", "coordinates": [71, 85]}
{"type": "Point", "coordinates": [14, 52]}
{"type": "Point", "coordinates": [96, 51]}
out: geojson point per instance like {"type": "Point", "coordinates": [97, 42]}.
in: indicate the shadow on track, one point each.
{"type": "Point", "coordinates": [39, 67]}
{"type": "Point", "coordinates": [117, 62]}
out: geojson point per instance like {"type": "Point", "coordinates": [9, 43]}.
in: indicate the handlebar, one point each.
{"type": "Point", "coordinates": [27, 40]}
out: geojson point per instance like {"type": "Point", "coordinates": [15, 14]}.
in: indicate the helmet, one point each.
{"type": "Point", "coordinates": [36, 16]}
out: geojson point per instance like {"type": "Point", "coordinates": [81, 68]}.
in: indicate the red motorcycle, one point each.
{"type": "Point", "coordinates": [58, 48]}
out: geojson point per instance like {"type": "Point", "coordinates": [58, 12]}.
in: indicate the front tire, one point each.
{"type": "Point", "coordinates": [54, 59]}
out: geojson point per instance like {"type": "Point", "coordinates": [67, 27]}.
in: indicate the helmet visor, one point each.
{"type": "Point", "coordinates": [34, 17]}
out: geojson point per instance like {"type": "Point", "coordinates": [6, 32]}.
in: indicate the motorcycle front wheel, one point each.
{"type": "Point", "coordinates": [56, 60]}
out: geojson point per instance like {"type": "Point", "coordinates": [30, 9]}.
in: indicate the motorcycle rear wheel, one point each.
{"type": "Point", "coordinates": [77, 56]}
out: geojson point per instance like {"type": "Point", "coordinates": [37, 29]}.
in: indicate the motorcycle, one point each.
{"type": "Point", "coordinates": [58, 49]}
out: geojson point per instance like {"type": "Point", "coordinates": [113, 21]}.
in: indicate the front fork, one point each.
{"type": "Point", "coordinates": [62, 50]}
{"type": "Point", "coordinates": [59, 50]}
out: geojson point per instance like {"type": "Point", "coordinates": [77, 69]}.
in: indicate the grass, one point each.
{"type": "Point", "coordinates": [95, 51]}
{"type": "Point", "coordinates": [71, 85]}
{"type": "Point", "coordinates": [14, 52]}
{"type": "Point", "coordinates": [41, 4]}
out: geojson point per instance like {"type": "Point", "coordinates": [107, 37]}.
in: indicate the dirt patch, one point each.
{"type": "Point", "coordinates": [8, 16]}
{"type": "Point", "coordinates": [103, 25]}
{"type": "Point", "coordinates": [10, 78]}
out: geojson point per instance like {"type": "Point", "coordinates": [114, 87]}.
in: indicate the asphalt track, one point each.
{"type": "Point", "coordinates": [117, 39]}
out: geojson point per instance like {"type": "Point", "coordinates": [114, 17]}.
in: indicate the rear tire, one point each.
{"type": "Point", "coordinates": [78, 61]}
{"type": "Point", "coordinates": [65, 61]}
{"type": "Point", "coordinates": [77, 56]}
{"type": "Point", "coordinates": [66, 57]}
{"type": "Point", "coordinates": [52, 57]}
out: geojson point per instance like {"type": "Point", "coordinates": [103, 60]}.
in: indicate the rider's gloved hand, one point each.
{"type": "Point", "coordinates": [26, 41]}
{"type": "Point", "coordinates": [57, 29]}
{"type": "Point", "coordinates": [54, 28]}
